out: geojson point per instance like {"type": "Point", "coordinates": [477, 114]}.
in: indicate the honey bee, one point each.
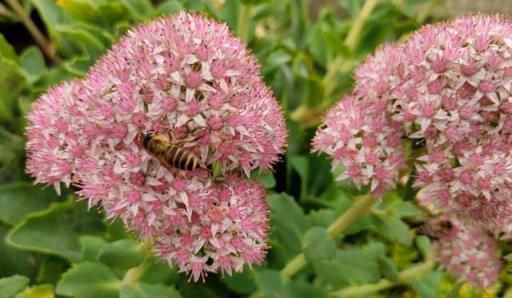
{"type": "Point", "coordinates": [160, 146]}
{"type": "Point", "coordinates": [435, 228]}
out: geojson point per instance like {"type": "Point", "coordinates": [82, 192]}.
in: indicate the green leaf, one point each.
{"type": "Point", "coordinates": [76, 39]}
{"type": "Point", "coordinates": [388, 268]}
{"type": "Point", "coordinates": [122, 254]}
{"type": "Point", "coordinates": [10, 286]}
{"type": "Point", "coordinates": [318, 244]}
{"type": "Point", "coordinates": [6, 50]}
{"type": "Point", "coordinates": [267, 179]}
{"type": "Point", "coordinates": [352, 6]}
{"type": "Point", "coordinates": [302, 289]}
{"type": "Point", "coordinates": [159, 272]}
{"type": "Point", "coordinates": [392, 228]}
{"type": "Point", "coordinates": [253, 2]}
{"type": "Point", "coordinates": [271, 284]}
{"type": "Point", "coordinates": [32, 62]}
{"type": "Point", "coordinates": [351, 266]}
{"type": "Point", "coordinates": [116, 230]}
{"type": "Point", "coordinates": [230, 14]}
{"type": "Point", "coordinates": [12, 85]}
{"type": "Point", "coordinates": [426, 286]}
{"type": "Point", "coordinates": [424, 246]}
{"type": "Point", "coordinates": [55, 230]}
{"type": "Point", "coordinates": [145, 290]}
{"type": "Point", "coordinates": [277, 58]}
{"type": "Point", "coordinates": [241, 283]}
{"type": "Point", "coordinates": [41, 291]}
{"type": "Point", "coordinates": [169, 7]}
{"type": "Point", "coordinates": [405, 209]}
{"type": "Point", "coordinates": [89, 280]}
{"type": "Point", "coordinates": [321, 217]}
{"type": "Point", "coordinates": [140, 9]}
{"type": "Point", "coordinates": [91, 247]}
{"type": "Point", "coordinates": [454, 293]}
{"type": "Point", "coordinates": [17, 200]}
{"type": "Point", "coordinates": [289, 222]}
{"type": "Point", "coordinates": [301, 165]}
{"type": "Point", "coordinates": [15, 261]}
{"type": "Point", "coordinates": [51, 270]}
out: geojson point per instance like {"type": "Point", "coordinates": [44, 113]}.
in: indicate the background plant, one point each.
{"type": "Point", "coordinates": [52, 246]}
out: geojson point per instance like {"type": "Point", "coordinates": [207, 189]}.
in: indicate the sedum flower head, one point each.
{"type": "Point", "coordinates": [54, 142]}
{"type": "Point", "coordinates": [470, 253]}
{"type": "Point", "coordinates": [188, 77]}
{"type": "Point", "coordinates": [446, 94]}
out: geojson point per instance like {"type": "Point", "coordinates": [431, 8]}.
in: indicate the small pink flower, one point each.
{"type": "Point", "coordinates": [470, 253]}
{"type": "Point", "coordinates": [55, 143]}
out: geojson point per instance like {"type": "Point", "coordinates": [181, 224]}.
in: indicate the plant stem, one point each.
{"type": "Point", "coordinates": [360, 207]}
{"type": "Point", "coordinates": [403, 276]}
{"type": "Point", "coordinates": [134, 274]}
{"type": "Point", "coordinates": [244, 22]}
{"type": "Point", "coordinates": [353, 35]}
{"type": "Point", "coordinates": [5, 12]}
{"type": "Point", "coordinates": [293, 266]}
{"type": "Point", "coordinates": [39, 37]}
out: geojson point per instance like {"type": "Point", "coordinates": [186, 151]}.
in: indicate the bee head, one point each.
{"type": "Point", "coordinates": [146, 138]}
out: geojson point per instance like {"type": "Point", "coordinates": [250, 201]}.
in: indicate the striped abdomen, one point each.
{"type": "Point", "coordinates": [180, 158]}
{"type": "Point", "coordinates": [161, 147]}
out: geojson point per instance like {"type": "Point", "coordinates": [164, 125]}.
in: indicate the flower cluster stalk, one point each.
{"type": "Point", "coordinates": [360, 207]}
{"type": "Point", "coordinates": [403, 276]}
{"type": "Point", "coordinates": [38, 36]}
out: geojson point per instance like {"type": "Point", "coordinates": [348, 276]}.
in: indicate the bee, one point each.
{"type": "Point", "coordinates": [160, 146]}
{"type": "Point", "coordinates": [435, 228]}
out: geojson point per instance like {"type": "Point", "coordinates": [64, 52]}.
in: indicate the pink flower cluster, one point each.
{"type": "Point", "coordinates": [443, 100]}
{"type": "Point", "coordinates": [469, 252]}
{"type": "Point", "coordinates": [187, 76]}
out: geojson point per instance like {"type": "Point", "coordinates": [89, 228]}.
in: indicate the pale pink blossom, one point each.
{"type": "Point", "coordinates": [189, 77]}
{"type": "Point", "coordinates": [55, 142]}
{"type": "Point", "coordinates": [444, 97]}
{"type": "Point", "coordinates": [470, 253]}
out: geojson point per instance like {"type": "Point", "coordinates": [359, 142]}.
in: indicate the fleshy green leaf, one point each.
{"type": "Point", "coordinates": [351, 266]}
{"type": "Point", "coordinates": [51, 270]}
{"type": "Point", "coordinates": [6, 50]}
{"type": "Point", "coordinates": [288, 220]}
{"type": "Point", "coordinates": [392, 228]}
{"type": "Point", "coordinates": [32, 62]}
{"type": "Point", "coordinates": [140, 9]}
{"type": "Point", "coordinates": [426, 286]}
{"type": "Point", "coordinates": [241, 283]}
{"type": "Point", "coordinates": [169, 7]}
{"type": "Point", "coordinates": [301, 165]}
{"type": "Point", "coordinates": [122, 254]}
{"type": "Point", "coordinates": [318, 244]}
{"type": "Point", "coordinates": [10, 286]}
{"type": "Point", "coordinates": [91, 247]}
{"type": "Point", "coordinates": [41, 291]}
{"type": "Point", "coordinates": [52, 231]}
{"type": "Point", "coordinates": [145, 290]}
{"type": "Point", "coordinates": [267, 179]}
{"type": "Point", "coordinates": [15, 261]}
{"type": "Point", "coordinates": [89, 280]}
{"type": "Point", "coordinates": [17, 200]}
{"type": "Point", "coordinates": [12, 84]}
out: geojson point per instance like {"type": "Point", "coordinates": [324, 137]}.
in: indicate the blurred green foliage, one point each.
{"type": "Point", "coordinates": [53, 246]}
